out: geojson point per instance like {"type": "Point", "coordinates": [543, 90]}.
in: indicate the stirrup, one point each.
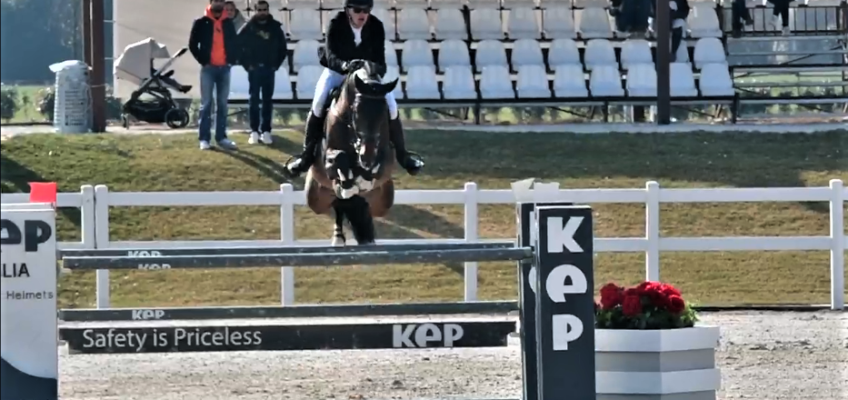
{"type": "Point", "coordinates": [287, 171]}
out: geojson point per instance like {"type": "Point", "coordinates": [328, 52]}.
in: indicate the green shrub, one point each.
{"type": "Point", "coordinates": [47, 102]}
{"type": "Point", "coordinates": [9, 102]}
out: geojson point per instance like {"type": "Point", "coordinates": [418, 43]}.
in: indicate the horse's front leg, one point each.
{"type": "Point", "coordinates": [338, 227]}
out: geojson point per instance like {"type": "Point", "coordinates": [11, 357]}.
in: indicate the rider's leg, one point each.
{"type": "Point", "coordinates": [315, 122]}
{"type": "Point", "coordinates": [411, 165]}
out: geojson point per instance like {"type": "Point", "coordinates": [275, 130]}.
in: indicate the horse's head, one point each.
{"type": "Point", "coordinates": [369, 113]}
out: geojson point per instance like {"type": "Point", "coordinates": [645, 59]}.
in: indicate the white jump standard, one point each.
{"type": "Point", "coordinates": [561, 256]}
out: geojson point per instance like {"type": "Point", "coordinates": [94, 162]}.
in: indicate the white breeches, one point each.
{"type": "Point", "coordinates": [330, 80]}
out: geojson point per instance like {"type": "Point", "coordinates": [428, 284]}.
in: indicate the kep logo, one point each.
{"type": "Point", "coordinates": [566, 327]}
{"type": "Point", "coordinates": [447, 335]}
{"type": "Point", "coordinates": [35, 232]}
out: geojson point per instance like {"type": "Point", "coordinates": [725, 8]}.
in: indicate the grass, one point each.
{"type": "Point", "coordinates": [493, 160]}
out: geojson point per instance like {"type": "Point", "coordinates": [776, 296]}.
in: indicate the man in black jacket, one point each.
{"type": "Point", "coordinates": [353, 34]}
{"type": "Point", "coordinates": [213, 44]}
{"type": "Point", "coordinates": [263, 53]}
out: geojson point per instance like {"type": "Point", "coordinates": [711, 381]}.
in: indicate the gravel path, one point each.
{"type": "Point", "coordinates": [763, 356]}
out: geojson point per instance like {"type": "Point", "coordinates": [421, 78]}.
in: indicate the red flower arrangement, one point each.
{"type": "Point", "coordinates": [649, 305]}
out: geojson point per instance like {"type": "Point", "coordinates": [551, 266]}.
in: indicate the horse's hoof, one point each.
{"type": "Point", "coordinates": [338, 241]}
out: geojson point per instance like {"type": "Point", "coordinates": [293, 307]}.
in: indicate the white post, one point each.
{"type": "Point", "coordinates": [471, 235]}
{"type": "Point", "coordinates": [89, 227]}
{"type": "Point", "coordinates": [101, 241]}
{"type": "Point", "coordinates": [652, 231]}
{"type": "Point", "coordinates": [287, 237]}
{"type": "Point", "coordinates": [837, 247]}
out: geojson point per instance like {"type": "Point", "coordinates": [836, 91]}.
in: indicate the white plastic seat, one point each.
{"type": "Point", "coordinates": [387, 18]}
{"type": "Point", "coordinates": [416, 53]}
{"type": "Point", "coordinates": [563, 52]}
{"type": "Point", "coordinates": [391, 54]}
{"type": "Point", "coordinates": [599, 52]}
{"type": "Point", "coordinates": [413, 24]}
{"type": "Point", "coordinates": [594, 24]}
{"type": "Point", "coordinates": [703, 21]}
{"type": "Point", "coordinates": [486, 24]}
{"type": "Point", "coordinates": [239, 83]}
{"type": "Point", "coordinates": [718, 81]}
{"type": "Point", "coordinates": [532, 82]}
{"type": "Point", "coordinates": [522, 24]}
{"type": "Point", "coordinates": [682, 81]}
{"type": "Point", "coordinates": [558, 23]}
{"type": "Point", "coordinates": [421, 83]}
{"type": "Point", "coordinates": [305, 24]}
{"type": "Point", "coordinates": [307, 78]}
{"type": "Point", "coordinates": [495, 83]}
{"type": "Point", "coordinates": [282, 84]}
{"type": "Point", "coordinates": [490, 53]}
{"type": "Point", "coordinates": [453, 52]}
{"type": "Point", "coordinates": [605, 82]}
{"type": "Point", "coordinates": [642, 80]}
{"type": "Point", "coordinates": [459, 83]}
{"type": "Point", "coordinates": [393, 72]}
{"type": "Point", "coordinates": [527, 52]}
{"type": "Point", "coordinates": [305, 53]}
{"type": "Point", "coordinates": [569, 81]}
{"type": "Point", "coordinates": [477, 4]}
{"type": "Point", "coordinates": [450, 24]}
{"type": "Point", "coordinates": [709, 50]}
{"type": "Point", "coordinates": [636, 51]}
{"type": "Point", "coordinates": [401, 4]}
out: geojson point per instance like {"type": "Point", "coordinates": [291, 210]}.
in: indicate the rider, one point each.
{"type": "Point", "coordinates": [353, 34]}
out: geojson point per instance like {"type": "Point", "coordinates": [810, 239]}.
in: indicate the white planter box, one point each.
{"type": "Point", "coordinates": [672, 364]}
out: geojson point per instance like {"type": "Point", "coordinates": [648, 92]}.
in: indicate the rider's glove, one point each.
{"type": "Point", "coordinates": [352, 65]}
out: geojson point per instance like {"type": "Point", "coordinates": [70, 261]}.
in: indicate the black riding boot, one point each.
{"type": "Point", "coordinates": [314, 135]}
{"type": "Point", "coordinates": [411, 165]}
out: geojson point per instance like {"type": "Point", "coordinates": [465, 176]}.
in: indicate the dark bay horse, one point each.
{"type": "Point", "coordinates": [352, 174]}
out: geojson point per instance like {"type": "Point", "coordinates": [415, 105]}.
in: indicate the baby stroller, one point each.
{"type": "Point", "coordinates": [136, 65]}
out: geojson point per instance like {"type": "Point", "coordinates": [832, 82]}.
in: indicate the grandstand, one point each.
{"type": "Point", "coordinates": [547, 53]}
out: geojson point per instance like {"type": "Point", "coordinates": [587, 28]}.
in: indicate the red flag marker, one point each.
{"type": "Point", "coordinates": [42, 192]}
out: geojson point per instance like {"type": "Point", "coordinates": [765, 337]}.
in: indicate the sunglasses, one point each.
{"type": "Point", "coordinates": [360, 10]}
{"type": "Point", "coordinates": [261, 10]}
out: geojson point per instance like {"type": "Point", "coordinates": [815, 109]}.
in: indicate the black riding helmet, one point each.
{"type": "Point", "coordinates": [369, 4]}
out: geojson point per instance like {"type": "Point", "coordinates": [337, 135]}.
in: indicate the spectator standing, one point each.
{"type": "Point", "coordinates": [741, 16]}
{"type": "Point", "coordinates": [213, 43]}
{"type": "Point", "coordinates": [679, 13]}
{"type": "Point", "coordinates": [263, 53]}
{"type": "Point", "coordinates": [234, 14]}
{"type": "Point", "coordinates": [632, 16]}
{"type": "Point", "coordinates": [781, 15]}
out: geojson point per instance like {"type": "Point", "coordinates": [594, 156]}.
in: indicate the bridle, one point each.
{"type": "Point", "coordinates": [355, 138]}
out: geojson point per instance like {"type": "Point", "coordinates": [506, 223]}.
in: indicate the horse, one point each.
{"type": "Point", "coordinates": [352, 173]}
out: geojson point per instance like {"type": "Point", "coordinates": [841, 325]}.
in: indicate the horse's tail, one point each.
{"type": "Point", "coordinates": [355, 210]}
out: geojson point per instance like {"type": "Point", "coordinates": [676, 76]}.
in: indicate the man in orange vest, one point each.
{"type": "Point", "coordinates": [213, 43]}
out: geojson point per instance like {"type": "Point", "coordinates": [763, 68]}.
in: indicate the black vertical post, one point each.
{"type": "Point", "coordinates": [527, 302]}
{"type": "Point", "coordinates": [98, 62]}
{"type": "Point", "coordinates": [565, 306]}
{"type": "Point", "coordinates": [663, 29]}
{"type": "Point", "coordinates": [86, 31]}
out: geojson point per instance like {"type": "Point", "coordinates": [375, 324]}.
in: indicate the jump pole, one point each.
{"type": "Point", "coordinates": [561, 254]}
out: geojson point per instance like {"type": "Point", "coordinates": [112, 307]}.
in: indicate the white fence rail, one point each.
{"type": "Point", "coordinates": [95, 205]}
